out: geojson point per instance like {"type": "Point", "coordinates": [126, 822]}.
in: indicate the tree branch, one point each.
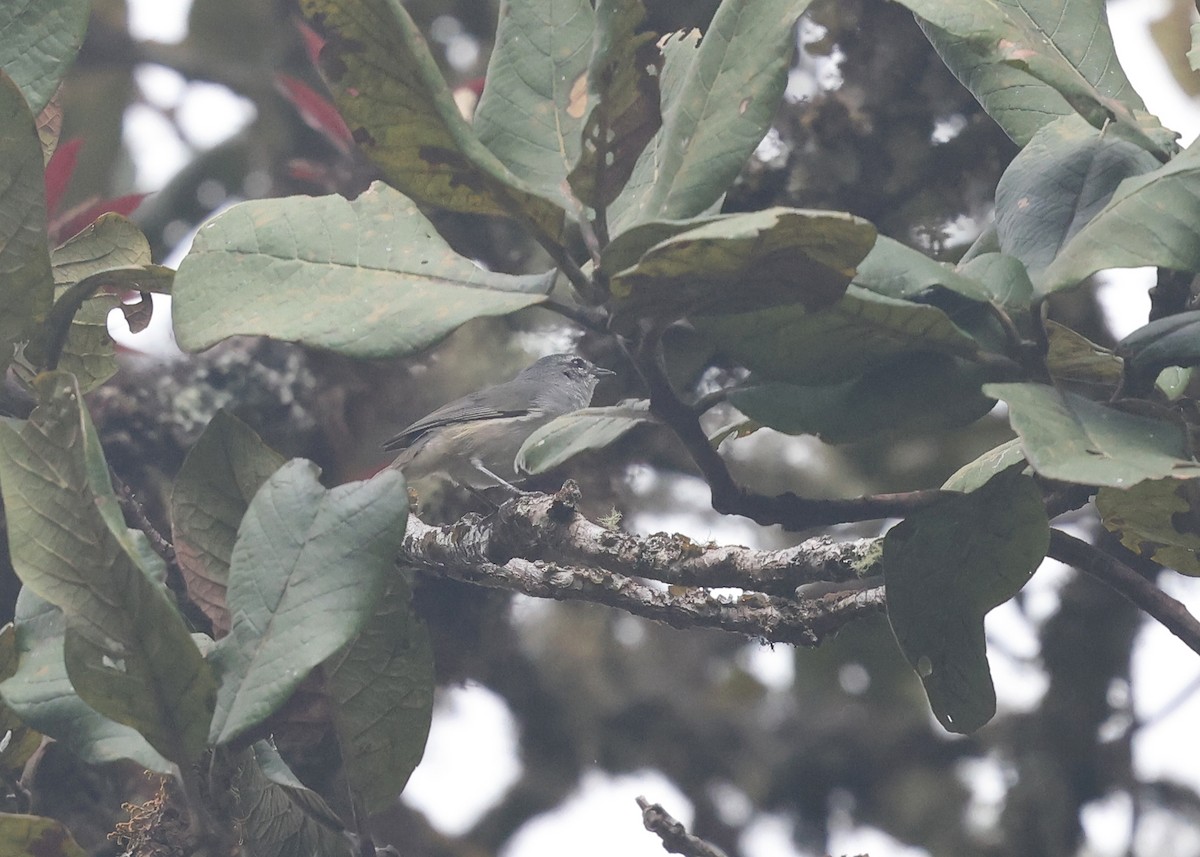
{"type": "Point", "coordinates": [1142, 592]}
{"type": "Point", "coordinates": [789, 510]}
{"type": "Point", "coordinates": [540, 545]}
{"type": "Point", "coordinates": [674, 836]}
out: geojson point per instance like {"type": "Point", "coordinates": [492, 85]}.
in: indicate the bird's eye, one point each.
{"type": "Point", "coordinates": [577, 363]}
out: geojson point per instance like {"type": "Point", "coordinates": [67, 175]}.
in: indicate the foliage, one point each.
{"type": "Point", "coordinates": [613, 147]}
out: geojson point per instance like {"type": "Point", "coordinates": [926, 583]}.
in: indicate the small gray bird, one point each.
{"type": "Point", "coordinates": [474, 440]}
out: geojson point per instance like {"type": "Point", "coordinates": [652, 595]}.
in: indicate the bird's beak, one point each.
{"type": "Point", "coordinates": [600, 373]}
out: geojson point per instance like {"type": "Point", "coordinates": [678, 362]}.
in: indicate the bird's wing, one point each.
{"type": "Point", "coordinates": [470, 408]}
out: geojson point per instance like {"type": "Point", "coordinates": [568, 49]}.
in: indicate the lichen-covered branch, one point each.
{"type": "Point", "coordinates": [540, 545]}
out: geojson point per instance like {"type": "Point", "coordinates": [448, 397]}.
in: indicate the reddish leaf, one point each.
{"type": "Point", "coordinates": [59, 171]}
{"type": "Point", "coordinates": [313, 41]}
{"type": "Point", "coordinates": [317, 111]}
{"type": "Point", "coordinates": [71, 222]}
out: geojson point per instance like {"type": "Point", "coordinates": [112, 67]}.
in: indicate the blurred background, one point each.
{"type": "Point", "coordinates": [552, 717]}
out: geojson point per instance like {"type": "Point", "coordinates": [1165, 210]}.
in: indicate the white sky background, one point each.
{"type": "Point", "coordinates": [471, 755]}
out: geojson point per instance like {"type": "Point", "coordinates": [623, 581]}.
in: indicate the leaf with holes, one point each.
{"type": "Point", "coordinates": [401, 112]}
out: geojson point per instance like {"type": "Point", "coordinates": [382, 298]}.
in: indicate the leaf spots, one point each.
{"type": "Point", "coordinates": [578, 101]}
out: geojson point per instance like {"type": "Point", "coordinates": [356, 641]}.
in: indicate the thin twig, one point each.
{"type": "Point", "coordinates": [789, 510]}
{"type": "Point", "coordinates": [1143, 593]}
{"type": "Point", "coordinates": [134, 510]}
{"type": "Point", "coordinates": [674, 836]}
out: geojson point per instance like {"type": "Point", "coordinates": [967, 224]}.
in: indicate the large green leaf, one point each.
{"type": "Point", "coordinates": [381, 687]}
{"type": "Point", "coordinates": [1073, 439]}
{"type": "Point", "coordinates": [896, 270]}
{"type": "Point", "coordinates": [391, 93]}
{"type": "Point", "coordinates": [580, 431]}
{"type": "Point", "coordinates": [1151, 220]}
{"type": "Point", "coordinates": [306, 573]}
{"type": "Point", "coordinates": [912, 393]}
{"type": "Point", "coordinates": [127, 651]}
{"type": "Point", "coordinates": [215, 485]}
{"type": "Point", "coordinates": [41, 693]}
{"type": "Point", "coordinates": [26, 288]}
{"type": "Point", "coordinates": [35, 836]}
{"type": "Point", "coordinates": [368, 278]}
{"type": "Point", "coordinates": [719, 96]}
{"type": "Point", "coordinates": [945, 567]}
{"type": "Point", "coordinates": [38, 43]}
{"type": "Point", "coordinates": [1159, 519]}
{"type": "Point", "coordinates": [531, 112]}
{"type": "Point", "coordinates": [623, 102]}
{"type": "Point", "coordinates": [1064, 176]}
{"type": "Point", "coordinates": [1029, 61]}
{"type": "Point", "coordinates": [1173, 340]}
{"type": "Point", "coordinates": [276, 815]}
{"type": "Point", "coordinates": [625, 249]}
{"type": "Point", "coordinates": [746, 262]}
{"type": "Point", "coordinates": [795, 346]}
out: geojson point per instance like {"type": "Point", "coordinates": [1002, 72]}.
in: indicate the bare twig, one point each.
{"type": "Point", "coordinates": [674, 836]}
{"type": "Point", "coordinates": [1142, 592]}
{"type": "Point", "coordinates": [133, 509]}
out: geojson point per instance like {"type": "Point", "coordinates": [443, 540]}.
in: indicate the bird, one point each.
{"type": "Point", "coordinates": [473, 441]}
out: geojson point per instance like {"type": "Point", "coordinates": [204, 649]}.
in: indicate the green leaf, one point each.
{"type": "Point", "coordinates": [307, 570]}
{"type": "Point", "coordinates": [623, 110]}
{"type": "Point", "coordinates": [111, 252]}
{"type": "Point", "coordinates": [381, 687]}
{"type": "Point", "coordinates": [913, 393]}
{"type": "Point", "coordinates": [896, 270]}
{"type": "Point", "coordinates": [580, 431]}
{"type": "Point", "coordinates": [1159, 519]}
{"type": "Point", "coordinates": [1003, 279]}
{"type": "Point", "coordinates": [1151, 219]}
{"type": "Point", "coordinates": [1029, 61]}
{"type": "Point", "coordinates": [26, 288]}
{"type": "Point", "coordinates": [368, 278]}
{"type": "Point", "coordinates": [626, 249]}
{"type": "Point", "coordinates": [1073, 357]}
{"type": "Point", "coordinates": [945, 568]}
{"type": "Point", "coordinates": [35, 836]}
{"type": "Point", "coordinates": [127, 651]}
{"type": "Point", "coordinates": [41, 694]}
{"type": "Point", "coordinates": [215, 485]}
{"type": "Point", "coordinates": [276, 815]}
{"type": "Point", "coordinates": [1170, 341]}
{"type": "Point", "coordinates": [719, 96]}
{"type": "Point", "coordinates": [795, 346]}
{"type": "Point", "coordinates": [531, 112]}
{"type": "Point", "coordinates": [38, 43]}
{"type": "Point", "coordinates": [22, 741]}
{"type": "Point", "coordinates": [746, 262]}
{"type": "Point", "coordinates": [1064, 176]}
{"type": "Point", "coordinates": [109, 243]}
{"type": "Point", "coordinates": [1073, 439]}
{"type": "Point", "coordinates": [401, 112]}
{"type": "Point", "coordinates": [974, 475]}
